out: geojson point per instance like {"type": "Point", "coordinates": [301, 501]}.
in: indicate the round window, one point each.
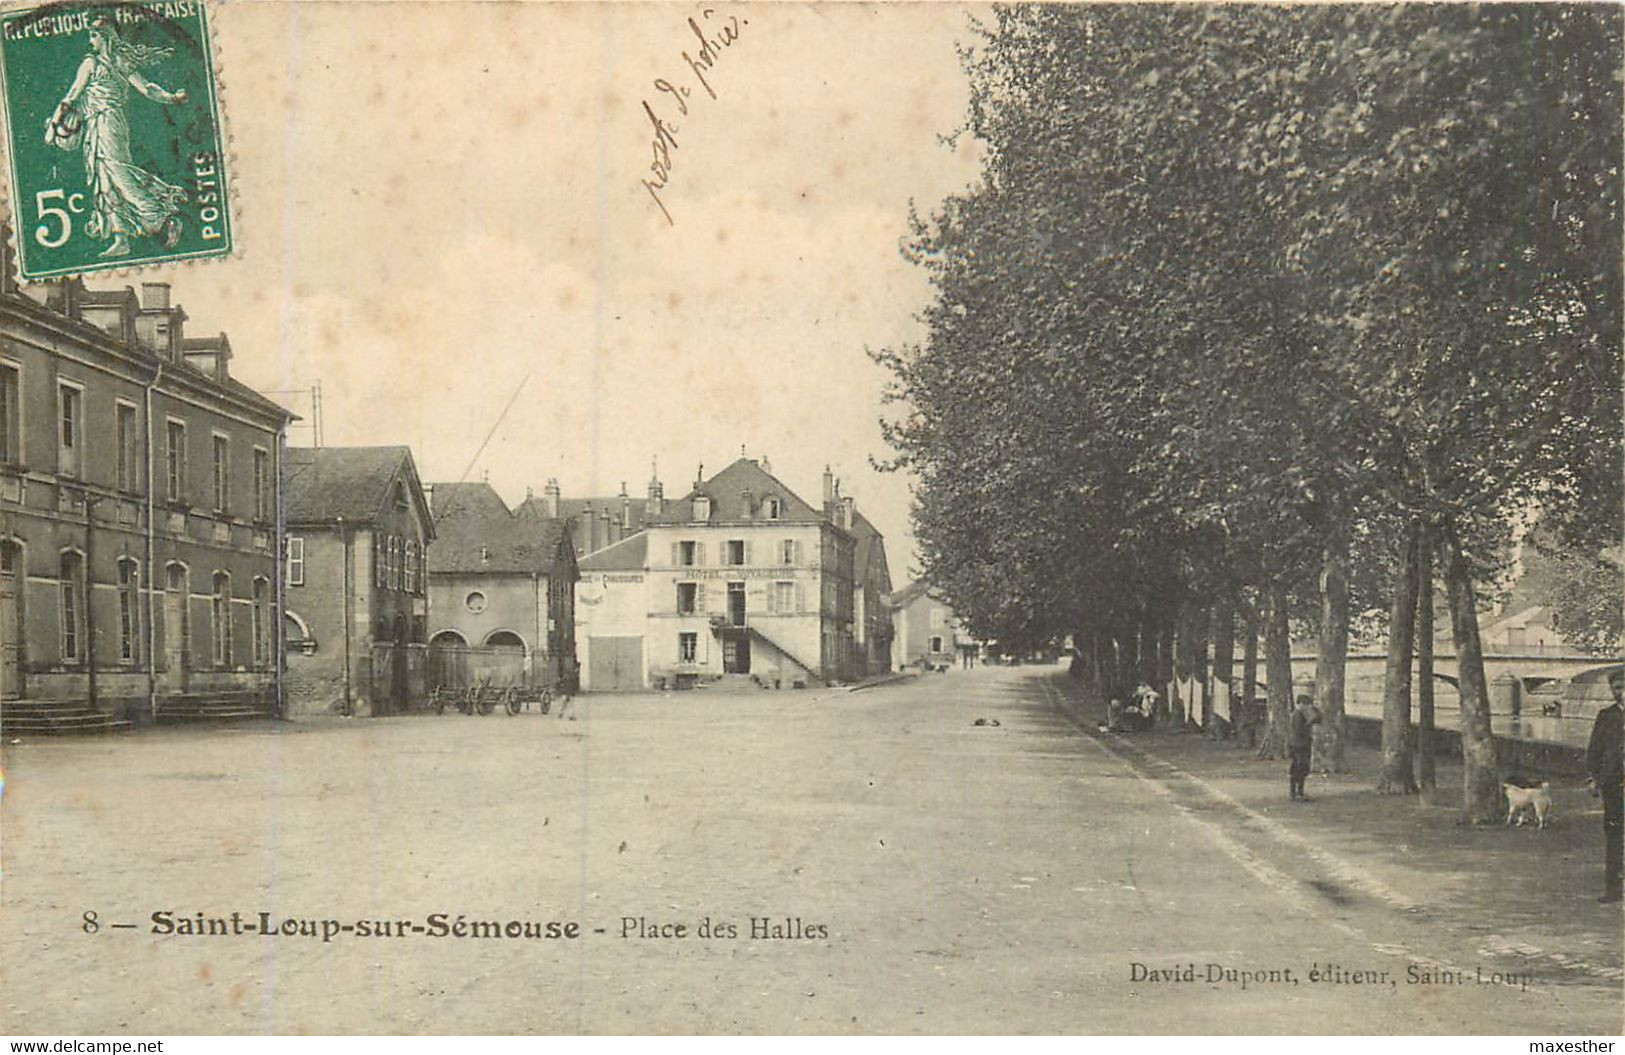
{"type": "Point", "coordinates": [475, 601]}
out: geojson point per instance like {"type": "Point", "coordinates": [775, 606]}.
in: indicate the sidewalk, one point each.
{"type": "Point", "coordinates": [1513, 891]}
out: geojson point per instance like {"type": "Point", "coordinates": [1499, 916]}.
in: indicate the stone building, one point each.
{"type": "Point", "coordinates": [871, 590]}
{"type": "Point", "coordinates": [358, 534]}
{"type": "Point", "coordinates": [928, 635]}
{"type": "Point", "coordinates": [138, 513]}
{"type": "Point", "coordinates": [501, 592]}
{"type": "Point", "coordinates": [739, 578]}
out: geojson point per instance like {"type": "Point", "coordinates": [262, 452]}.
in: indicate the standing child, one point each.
{"type": "Point", "coordinates": [1300, 742]}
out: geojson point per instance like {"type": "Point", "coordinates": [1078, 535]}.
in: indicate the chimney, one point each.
{"type": "Point", "coordinates": [626, 509]}
{"type": "Point", "coordinates": [829, 491]}
{"type": "Point", "coordinates": [746, 500]}
{"type": "Point", "coordinates": [848, 505]}
{"type": "Point", "coordinates": [155, 296]}
{"type": "Point", "coordinates": [655, 504]}
{"type": "Point", "coordinates": [589, 525]}
{"type": "Point", "coordinates": [606, 523]}
{"type": "Point", "coordinates": [550, 498]}
{"type": "Point", "coordinates": [766, 468]}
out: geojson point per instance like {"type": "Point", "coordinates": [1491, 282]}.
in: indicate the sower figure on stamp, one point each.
{"type": "Point", "coordinates": [126, 199]}
{"type": "Point", "coordinates": [1300, 742]}
{"type": "Point", "coordinates": [1607, 777]}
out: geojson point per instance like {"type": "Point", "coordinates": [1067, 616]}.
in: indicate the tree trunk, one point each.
{"type": "Point", "coordinates": [1224, 662]}
{"type": "Point", "coordinates": [1148, 645]}
{"type": "Point", "coordinates": [1165, 665]}
{"type": "Point", "coordinates": [1425, 747]}
{"type": "Point", "coordinates": [1128, 657]}
{"type": "Point", "coordinates": [1180, 702]}
{"type": "Point", "coordinates": [1333, 655]}
{"type": "Point", "coordinates": [1249, 675]}
{"type": "Point", "coordinates": [1396, 775]}
{"type": "Point", "coordinates": [1481, 778]}
{"type": "Point", "coordinates": [1277, 673]}
{"type": "Point", "coordinates": [1201, 715]}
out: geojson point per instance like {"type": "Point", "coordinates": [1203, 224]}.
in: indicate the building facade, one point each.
{"type": "Point", "coordinates": [501, 593]}
{"type": "Point", "coordinates": [358, 536]}
{"type": "Point", "coordinates": [740, 577]}
{"type": "Point", "coordinates": [871, 589]}
{"type": "Point", "coordinates": [928, 635]}
{"type": "Point", "coordinates": [138, 510]}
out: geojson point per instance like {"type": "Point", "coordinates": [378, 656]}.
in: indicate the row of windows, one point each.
{"type": "Point", "coordinates": [129, 443]}
{"type": "Point", "coordinates": [783, 598]}
{"type": "Point", "coordinates": [398, 564]}
{"type": "Point", "coordinates": [72, 600]}
{"type": "Point", "coordinates": [690, 553]}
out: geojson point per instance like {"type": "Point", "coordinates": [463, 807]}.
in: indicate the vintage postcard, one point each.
{"type": "Point", "coordinates": [788, 518]}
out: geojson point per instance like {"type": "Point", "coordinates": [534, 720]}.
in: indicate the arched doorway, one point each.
{"type": "Point", "coordinates": [448, 661]}
{"type": "Point", "coordinates": [505, 658]}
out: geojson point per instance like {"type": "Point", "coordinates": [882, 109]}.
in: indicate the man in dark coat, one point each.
{"type": "Point", "coordinates": [1300, 743]}
{"type": "Point", "coordinates": [1604, 763]}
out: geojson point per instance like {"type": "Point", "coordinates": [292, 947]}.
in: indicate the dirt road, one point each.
{"type": "Point", "coordinates": [907, 871]}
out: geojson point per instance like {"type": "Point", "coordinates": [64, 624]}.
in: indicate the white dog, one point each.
{"type": "Point", "coordinates": [1537, 799]}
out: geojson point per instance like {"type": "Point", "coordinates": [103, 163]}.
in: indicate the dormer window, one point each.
{"type": "Point", "coordinates": [400, 495]}
{"type": "Point", "coordinates": [702, 508]}
{"type": "Point", "coordinates": [772, 508]}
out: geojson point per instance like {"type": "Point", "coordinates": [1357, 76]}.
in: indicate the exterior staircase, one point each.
{"type": "Point", "coordinates": [220, 706]}
{"type": "Point", "coordinates": [54, 718]}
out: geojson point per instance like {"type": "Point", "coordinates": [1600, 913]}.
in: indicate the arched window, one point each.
{"type": "Point", "coordinates": [262, 622]}
{"type": "Point", "coordinates": [411, 566]}
{"type": "Point", "coordinates": [220, 613]}
{"type": "Point", "coordinates": [129, 627]}
{"type": "Point", "coordinates": [71, 577]}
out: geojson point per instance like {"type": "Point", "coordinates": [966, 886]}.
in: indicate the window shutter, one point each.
{"type": "Point", "coordinates": [799, 558]}
{"type": "Point", "coordinates": [676, 554]}
{"type": "Point", "coordinates": [699, 598]}
{"type": "Point", "coordinates": [801, 598]}
{"type": "Point", "coordinates": [748, 548]}
{"type": "Point", "coordinates": [699, 553]}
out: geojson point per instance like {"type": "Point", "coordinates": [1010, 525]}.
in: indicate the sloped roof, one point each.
{"type": "Point", "coordinates": [629, 554]}
{"type": "Point", "coordinates": [324, 484]}
{"type": "Point", "coordinates": [475, 532]}
{"type": "Point", "coordinates": [726, 491]}
{"type": "Point", "coordinates": [477, 499]}
{"type": "Point", "coordinates": [909, 593]}
{"type": "Point", "coordinates": [871, 543]}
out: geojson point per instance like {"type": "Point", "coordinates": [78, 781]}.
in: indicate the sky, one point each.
{"type": "Point", "coordinates": [442, 205]}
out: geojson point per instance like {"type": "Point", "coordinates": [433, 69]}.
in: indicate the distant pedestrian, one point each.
{"type": "Point", "coordinates": [1607, 778]}
{"type": "Point", "coordinates": [1145, 698]}
{"type": "Point", "coordinates": [1300, 742]}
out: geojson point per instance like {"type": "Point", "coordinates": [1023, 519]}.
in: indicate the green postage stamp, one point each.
{"type": "Point", "coordinates": [113, 130]}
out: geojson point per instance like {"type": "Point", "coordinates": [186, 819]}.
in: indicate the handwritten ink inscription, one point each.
{"type": "Point", "coordinates": [714, 34]}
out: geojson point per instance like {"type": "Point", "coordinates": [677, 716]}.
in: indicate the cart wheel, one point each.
{"type": "Point", "coordinates": [546, 701]}
{"type": "Point", "coordinates": [485, 705]}
{"type": "Point", "coordinates": [511, 701]}
{"type": "Point", "coordinates": [439, 702]}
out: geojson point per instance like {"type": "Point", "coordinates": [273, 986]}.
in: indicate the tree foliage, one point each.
{"type": "Point", "coordinates": [1248, 290]}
